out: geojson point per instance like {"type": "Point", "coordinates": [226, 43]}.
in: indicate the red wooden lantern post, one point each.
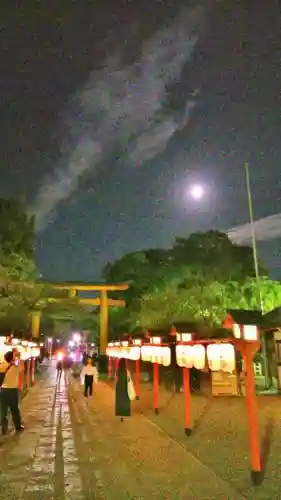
{"type": "Point", "coordinates": [32, 371]}
{"type": "Point", "coordinates": [157, 354]}
{"type": "Point", "coordinates": [187, 401]}
{"type": "Point", "coordinates": [137, 343]}
{"type": "Point", "coordinates": [137, 378]}
{"type": "Point", "coordinates": [247, 342]}
{"type": "Point", "coordinates": [109, 367]}
{"type": "Point", "coordinates": [184, 339]}
{"type": "Point", "coordinates": [116, 367]}
{"type": "Point", "coordinates": [156, 382]}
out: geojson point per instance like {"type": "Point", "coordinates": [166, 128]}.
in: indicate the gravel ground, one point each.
{"type": "Point", "coordinates": [135, 459]}
{"type": "Point", "coordinates": [74, 448]}
{"type": "Point", "coordinates": [220, 436]}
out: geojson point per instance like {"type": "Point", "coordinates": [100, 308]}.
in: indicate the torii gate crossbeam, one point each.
{"type": "Point", "coordinates": [103, 301]}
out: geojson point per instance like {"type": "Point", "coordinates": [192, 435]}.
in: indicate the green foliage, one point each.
{"type": "Point", "coordinates": [198, 279]}
{"type": "Point", "coordinates": [21, 291]}
{"type": "Point", "coordinates": [17, 234]}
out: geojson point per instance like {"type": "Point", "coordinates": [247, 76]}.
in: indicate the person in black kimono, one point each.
{"type": "Point", "coordinates": [122, 400]}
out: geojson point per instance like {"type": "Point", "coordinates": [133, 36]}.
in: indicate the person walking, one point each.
{"type": "Point", "coordinates": [59, 371]}
{"type": "Point", "coordinates": [124, 391]}
{"type": "Point", "coordinates": [89, 375]}
{"type": "Point", "coordinates": [9, 395]}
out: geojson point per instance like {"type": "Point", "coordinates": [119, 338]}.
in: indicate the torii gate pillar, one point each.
{"type": "Point", "coordinates": [103, 321]}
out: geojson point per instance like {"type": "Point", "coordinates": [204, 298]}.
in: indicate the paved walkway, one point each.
{"type": "Point", "coordinates": [76, 449]}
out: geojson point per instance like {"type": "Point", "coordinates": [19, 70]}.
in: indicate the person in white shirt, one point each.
{"type": "Point", "coordinates": [90, 375]}
{"type": "Point", "coordinates": [9, 395]}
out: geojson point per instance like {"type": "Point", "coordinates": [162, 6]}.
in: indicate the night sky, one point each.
{"type": "Point", "coordinates": [125, 204]}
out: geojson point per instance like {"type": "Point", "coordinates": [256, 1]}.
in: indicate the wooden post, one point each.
{"type": "Point", "coordinates": [103, 321]}
{"type": "Point", "coordinates": [187, 401]}
{"type": "Point", "coordinates": [248, 351]}
{"type": "Point", "coordinates": [35, 324]}
{"type": "Point", "coordinates": [252, 413]}
{"type": "Point", "coordinates": [156, 382]}
{"type": "Point", "coordinates": [109, 367]}
{"type": "Point", "coordinates": [137, 378]}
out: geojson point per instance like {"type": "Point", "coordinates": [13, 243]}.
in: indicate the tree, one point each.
{"type": "Point", "coordinates": [17, 229]}
{"type": "Point", "coordinates": [22, 293]}
{"type": "Point", "coordinates": [21, 290]}
{"type": "Point", "coordinates": [206, 305]}
{"type": "Point", "coordinates": [199, 278]}
{"type": "Point", "coordinates": [216, 256]}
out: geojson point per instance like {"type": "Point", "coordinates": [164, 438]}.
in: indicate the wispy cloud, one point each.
{"type": "Point", "coordinates": [124, 105]}
{"type": "Point", "coordinates": [267, 228]}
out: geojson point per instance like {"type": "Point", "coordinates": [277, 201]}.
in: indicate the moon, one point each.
{"type": "Point", "coordinates": [197, 192]}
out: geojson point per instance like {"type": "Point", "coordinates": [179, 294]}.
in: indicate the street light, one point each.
{"type": "Point", "coordinates": [77, 337]}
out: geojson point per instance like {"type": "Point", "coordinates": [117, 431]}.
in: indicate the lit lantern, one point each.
{"type": "Point", "coordinates": [35, 352]}
{"type": "Point", "coordinates": [228, 361]}
{"type": "Point", "coordinates": [184, 355]}
{"type": "Point", "coordinates": [199, 356]}
{"type": "Point", "coordinates": [213, 355]}
{"type": "Point", "coordinates": [250, 333]}
{"type": "Point", "coordinates": [236, 331]}
{"type": "Point", "coordinates": [134, 353]}
{"type": "Point", "coordinates": [137, 342]}
{"type": "Point", "coordinates": [146, 352]}
{"type": "Point", "coordinates": [155, 340]}
{"type": "Point", "coordinates": [156, 353]}
{"type": "Point", "coordinates": [221, 357]}
{"type": "Point", "coordinates": [184, 337]}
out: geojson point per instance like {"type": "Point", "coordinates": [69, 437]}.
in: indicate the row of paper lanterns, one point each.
{"type": "Point", "coordinates": [25, 349]}
{"type": "Point", "coordinates": [220, 356]}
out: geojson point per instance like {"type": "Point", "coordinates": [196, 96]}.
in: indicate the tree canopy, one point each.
{"type": "Point", "coordinates": [17, 229]}
{"type": "Point", "coordinates": [198, 279]}
{"type": "Point", "coordinates": [21, 290]}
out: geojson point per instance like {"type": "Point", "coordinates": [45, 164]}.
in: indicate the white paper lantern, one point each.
{"type": "Point", "coordinates": [166, 356]}
{"type": "Point", "coordinates": [184, 356]}
{"type": "Point", "coordinates": [35, 352]}
{"type": "Point", "coordinates": [156, 354]}
{"type": "Point", "coordinates": [228, 362]}
{"type": "Point", "coordinates": [199, 356]}
{"type": "Point", "coordinates": [250, 333]}
{"type": "Point", "coordinates": [214, 357]}
{"type": "Point", "coordinates": [134, 353]}
{"type": "Point", "coordinates": [146, 353]}
{"type": "Point", "coordinates": [221, 357]}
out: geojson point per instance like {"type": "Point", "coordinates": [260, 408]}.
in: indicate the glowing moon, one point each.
{"type": "Point", "coordinates": [197, 192]}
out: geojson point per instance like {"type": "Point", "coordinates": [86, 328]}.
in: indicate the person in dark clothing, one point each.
{"type": "Point", "coordinates": [59, 370]}
{"type": "Point", "coordinates": [122, 400]}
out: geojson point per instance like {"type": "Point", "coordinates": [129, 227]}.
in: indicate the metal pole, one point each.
{"type": "Point", "coordinates": [256, 264]}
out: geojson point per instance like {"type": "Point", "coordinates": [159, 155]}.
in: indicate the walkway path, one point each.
{"type": "Point", "coordinates": [76, 449]}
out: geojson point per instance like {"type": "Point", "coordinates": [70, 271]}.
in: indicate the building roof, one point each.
{"type": "Point", "coordinates": [243, 317]}
{"type": "Point", "coordinates": [272, 319]}
{"type": "Point", "coordinates": [186, 326]}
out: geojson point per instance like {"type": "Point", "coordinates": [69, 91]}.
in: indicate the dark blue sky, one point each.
{"type": "Point", "coordinates": [46, 56]}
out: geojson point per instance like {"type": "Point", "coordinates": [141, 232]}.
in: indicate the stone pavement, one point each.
{"type": "Point", "coordinates": [74, 448]}
{"type": "Point", "coordinates": [41, 463]}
